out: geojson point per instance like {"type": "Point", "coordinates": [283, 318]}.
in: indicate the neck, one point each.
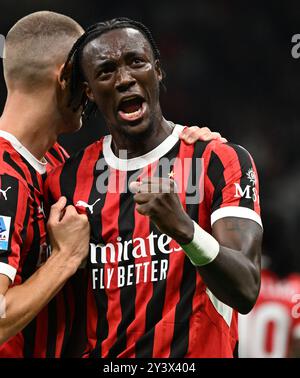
{"type": "Point", "coordinates": [27, 117]}
{"type": "Point", "coordinates": [143, 143]}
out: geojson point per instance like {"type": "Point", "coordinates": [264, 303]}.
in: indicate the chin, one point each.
{"type": "Point", "coordinates": [138, 130]}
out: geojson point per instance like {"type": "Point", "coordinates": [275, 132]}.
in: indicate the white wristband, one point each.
{"type": "Point", "coordinates": [203, 249]}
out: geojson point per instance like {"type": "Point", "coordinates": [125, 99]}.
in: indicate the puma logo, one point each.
{"type": "Point", "coordinates": [87, 206]}
{"type": "Point", "coordinates": [3, 192]}
{"type": "Point", "coordinates": [41, 210]}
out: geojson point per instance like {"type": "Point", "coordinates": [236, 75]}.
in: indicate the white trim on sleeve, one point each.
{"type": "Point", "coordinates": [224, 310]}
{"type": "Point", "coordinates": [8, 271]}
{"type": "Point", "coordinates": [235, 211]}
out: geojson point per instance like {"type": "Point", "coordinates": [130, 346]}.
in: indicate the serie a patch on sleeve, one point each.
{"type": "Point", "coordinates": [5, 223]}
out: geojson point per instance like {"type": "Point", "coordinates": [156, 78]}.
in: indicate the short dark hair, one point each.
{"type": "Point", "coordinates": [35, 43]}
{"type": "Point", "coordinates": [75, 56]}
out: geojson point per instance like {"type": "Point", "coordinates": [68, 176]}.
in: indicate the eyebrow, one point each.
{"type": "Point", "coordinates": [128, 54]}
{"type": "Point", "coordinates": [132, 53]}
{"type": "Point", "coordinates": [104, 61]}
{"type": "Point", "coordinates": [102, 57]}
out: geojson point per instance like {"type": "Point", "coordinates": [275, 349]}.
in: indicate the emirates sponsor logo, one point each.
{"type": "Point", "coordinates": [113, 258]}
{"type": "Point", "coordinates": [133, 274]}
{"type": "Point", "coordinates": [119, 251]}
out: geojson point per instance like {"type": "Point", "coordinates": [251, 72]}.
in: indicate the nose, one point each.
{"type": "Point", "coordinates": [124, 80]}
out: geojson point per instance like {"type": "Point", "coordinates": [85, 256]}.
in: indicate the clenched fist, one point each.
{"type": "Point", "coordinates": [69, 233]}
{"type": "Point", "coordinates": [157, 198]}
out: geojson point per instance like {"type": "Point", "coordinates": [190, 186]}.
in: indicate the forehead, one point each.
{"type": "Point", "coordinates": [117, 42]}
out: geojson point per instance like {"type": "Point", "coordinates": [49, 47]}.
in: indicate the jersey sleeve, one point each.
{"type": "Point", "coordinates": [14, 215]}
{"type": "Point", "coordinates": [232, 185]}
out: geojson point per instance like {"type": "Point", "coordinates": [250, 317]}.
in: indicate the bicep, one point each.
{"type": "Point", "coordinates": [239, 234]}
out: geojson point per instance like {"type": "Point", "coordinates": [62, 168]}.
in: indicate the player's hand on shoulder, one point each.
{"type": "Point", "coordinates": [192, 134]}
{"type": "Point", "coordinates": [69, 232]}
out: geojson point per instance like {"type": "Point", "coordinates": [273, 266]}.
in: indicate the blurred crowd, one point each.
{"type": "Point", "coordinates": [229, 67]}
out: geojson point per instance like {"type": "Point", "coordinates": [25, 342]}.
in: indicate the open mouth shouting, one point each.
{"type": "Point", "coordinates": [132, 108]}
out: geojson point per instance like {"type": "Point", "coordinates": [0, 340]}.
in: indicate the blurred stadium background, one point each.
{"type": "Point", "coordinates": [229, 67]}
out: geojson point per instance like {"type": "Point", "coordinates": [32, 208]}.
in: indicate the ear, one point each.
{"type": "Point", "coordinates": [158, 70]}
{"type": "Point", "coordinates": [64, 75]}
{"type": "Point", "coordinates": [88, 92]}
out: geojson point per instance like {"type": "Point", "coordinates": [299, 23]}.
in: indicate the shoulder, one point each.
{"type": "Point", "coordinates": [228, 156]}
{"type": "Point", "coordinates": [56, 155]}
{"type": "Point", "coordinates": [12, 167]}
{"type": "Point", "coordinates": [81, 157]}
{"type": "Point", "coordinates": [90, 152]}
{"type": "Point", "coordinates": [227, 150]}
{"type": "Point", "coordinates": [216, 149]}
{"type": "Point", "coordinates": [13, 191]}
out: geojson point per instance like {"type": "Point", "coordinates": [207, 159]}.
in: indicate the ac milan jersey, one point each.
{"type": "Point", "coordinates": [270, 328]}
{"type": "Point", "coordinates": [24, 247]}
{"type": "Point", "coordinates": [144, 297]}
{"type": "Point", "coordinates": [55, 157]}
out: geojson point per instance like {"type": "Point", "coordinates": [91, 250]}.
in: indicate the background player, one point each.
{"type": "Point", "coordinates": [157, 282]}
{"type": "Point", "coordinates": [272, 329]}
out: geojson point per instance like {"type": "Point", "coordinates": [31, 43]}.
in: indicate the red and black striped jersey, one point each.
{"type": "Point", "coordinates": [144, 297]}
{"type": "Point", "coordinates": [56, 156]}
{"type": "Point", "coordinates": [24, 246]}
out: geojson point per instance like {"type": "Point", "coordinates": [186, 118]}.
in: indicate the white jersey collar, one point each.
{"type": "Point", "coordinates": [141, 161]}
{"type": "Point", "coordinates": [38, 165]}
